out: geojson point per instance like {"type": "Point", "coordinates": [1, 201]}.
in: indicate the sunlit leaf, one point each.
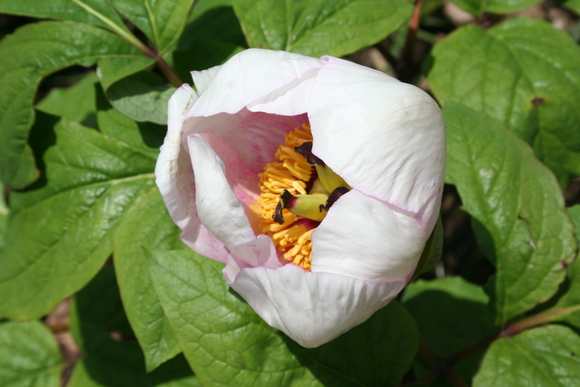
{"type": "Point", "coordinates": [517, 209]}
{"type": "Point", "coordinates": [62, 233]}
{"type": "Point", "coordinates": [524, 73]}
{"type": "Point", "coordinates": [226, 343]}
{"type": "Point", "coordinates": [319, 27]}
{"type": "Point", "coordinates": [28, 55]}
{"type": "Point", "coordinates": [546, 356]}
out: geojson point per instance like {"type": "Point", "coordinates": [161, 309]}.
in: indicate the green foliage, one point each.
{"type": "Point", "coordinates": [141, 303]}
{"type": "Point", "coordinates": [111, 356]}
{"type": "Point", "coordinates": [62, 233]}
{"type": "Point", "coordinates": [451, 314]}
{"type": "Point", "coordinates": [29, 355]}
{"type": "Point", "coordinates": [524, 73]}
{"type": "Point", "coordinates": [478, 7]}
{"type": "Point", "coordinates": [83, 112]}
{"type": "Point", "coordinates": [319, 27]}
{"type": "Point", "coordinates": [546, 356]}
{"type": "Point", "coordinates": [28, 55]}
{"type": "Point", "coordinates": [517, 208]}
{"type": "Point", "coordinates": [226, 343]}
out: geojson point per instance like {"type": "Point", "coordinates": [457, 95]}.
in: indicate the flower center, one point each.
{"type": "Point", "coordinates": [296, 193]}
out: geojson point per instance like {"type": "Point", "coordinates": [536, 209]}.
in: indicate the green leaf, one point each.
{"type": "Point", "coordinates": [96, 12]}
{"type": "Point", "coordinates": [572, 4]}
{"type": "Point", "coordinates": [111, 355]}
{"type": "Point", "coordinates": [212, 20]}
{"type": "Point", "coordinates": [146, 225]}
{"type": "Point", "coordinates": [162, 20]}
{"type": "Point", "coordinates": [478, 7]}
{"type": "Point", "coordinates": [524, 73]}
{"type": "Point", "coordinates": [30, 54]}
{"type": "Point", "coordinates": [319, 27]}
{"type": "Point", "coordinates": [144, 136]}
{"type": "Point", "coordinates": [202, 55]}
{"type": "Point", "coordinates": [546, 356]}
{"type": "Point", "coordinates": [451, 314]}
{"type": "Point", "coordinates": [517, 209]}
{"type": "Point", "coordinates": [568, 307]}
{"type": "Point", "coordinates": [29, 355]}
{"type": "Point", "coordinates": [4, 212]}
{"type": "Point", "coordinates": [226, 343]}
{"type": "Point", "coordinates": [142, 97]}
{"type": "Point", "coordinates": [75, 103]}
{"type": "Point", "coordinates": [60, 235]}
{"type": "Point", "coordinates": [113, 69]}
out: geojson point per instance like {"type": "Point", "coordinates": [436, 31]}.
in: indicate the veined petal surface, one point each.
{"type": "Point", "coordinates": [312, 308]}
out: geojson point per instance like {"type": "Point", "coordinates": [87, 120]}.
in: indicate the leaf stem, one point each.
{"type": "Point", "coordinates": [167, 70]}
{"type": "Point", "coordinates": [535, 320]}
{"type": "Point", "coordinates": [407, 65]}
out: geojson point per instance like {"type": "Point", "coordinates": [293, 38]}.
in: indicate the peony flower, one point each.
{"type": "Point", "coordinates": [316, 181]}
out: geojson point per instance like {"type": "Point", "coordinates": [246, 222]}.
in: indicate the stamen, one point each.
{"type": "Point", "coordinates": [292, 173]}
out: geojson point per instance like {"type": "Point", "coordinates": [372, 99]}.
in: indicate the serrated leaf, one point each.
{"type": "Point", "coordinates": [111, 355]}
{"type": "Point", "coordinates": [29, 355]}
{"type": "Point", "coordinates": [451, 314]}
{"type": "Point", "coordinates": [524, 73]}
{"type": "Point", "coordinates": [146, 225]}
{"type": "Point", "coordinates": [30, 54]}
{"type": "Point", "coordinates": [546, 356]}
{"type": "Point", "coordinates": [96, 12]}
{"type": "Point", "coordinates": [517, 209]}
{"type": "Point", "coordinates": [62, 233]}
{"type": "Point", "coordinates": [319, 27]}
{"type": "Point", "coordinates": [75, 103]}
{"type": "Point", "coordinates": [478, 7]}
{"type": "Point", "coordinates": [162, 20]}
{"type": "Point", "coordinates": [226, 343]}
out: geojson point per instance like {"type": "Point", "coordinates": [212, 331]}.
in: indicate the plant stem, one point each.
{"type": "Point", "coordinates": [538, 319]}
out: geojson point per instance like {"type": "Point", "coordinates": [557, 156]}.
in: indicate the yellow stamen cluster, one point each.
{"type": "Point", "coordinates": [291, 173]}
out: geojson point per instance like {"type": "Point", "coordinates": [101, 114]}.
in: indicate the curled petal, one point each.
{"type": "Point", "coordinates": [202, 79]}
{"type": "Point", "coordinates": [312, 308]}
{"type": "Point", "coordinates": [368, 239]}
{"type": "Point", "coordinates": [174, 177]}
{"type": "Point", "coordinates": [264, 72]}
{"type": "Point", "coordinates": [347, 113]}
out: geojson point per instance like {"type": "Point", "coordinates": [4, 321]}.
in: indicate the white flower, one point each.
{"type": "Point", "coordinates": [380, 139]}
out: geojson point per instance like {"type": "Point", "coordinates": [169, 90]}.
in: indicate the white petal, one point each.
{"type": "Point", "coordinates": [249, 76]}
{"type": "Point", "coordinates": [365, 238]}
{"type": "Point", "coordinates": [311, 308]}
{"type": "Point", "coordinates": [174, 177]}
{"type": "Point", "coordinates": [219, 210]}
{"type": "Point", "coordinates": [202, 79]}
{"type": "Point", "coordinates": [289, 100]}
{"type": "Point", "coordinates": [384, 137]}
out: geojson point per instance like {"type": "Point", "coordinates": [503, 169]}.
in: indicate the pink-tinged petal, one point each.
{"type": "Point", "coordinates": [383, 137]}
{"type": "Point", "coordinates": [254, 137]}
{"type": "Point", "coordinates": [202, 79]}
{"type": "Point", "coordinates": [366, 238]}
{"type": "Point", "coordinates": [219, 210]}
{"type": "Point", "coordinates": [249, 76]}
{"type": "Point", "coordinates": [312, 308]}
{"type": "Point", "coordinates": [174, 177]}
